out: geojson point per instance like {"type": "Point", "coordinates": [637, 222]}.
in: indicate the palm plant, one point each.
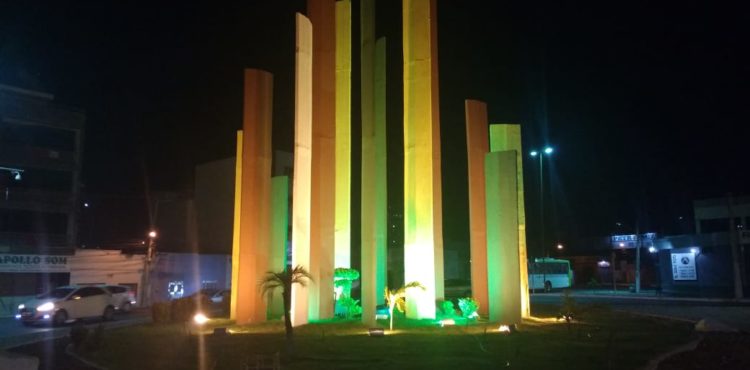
{"type": "Point", "coordinates": [285, 279]}
{"type": "Point", "coordinates": [397, 298]}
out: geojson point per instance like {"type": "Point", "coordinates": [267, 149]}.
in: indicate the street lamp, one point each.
{"type": "Point", "coordinates": [548, 150]}
{"type": "Point", "coordinates": [147, 271]}
{"type": "Point", "coordinates": [559, 247]}
{"type": "Point", "coordinates": [16, 172]}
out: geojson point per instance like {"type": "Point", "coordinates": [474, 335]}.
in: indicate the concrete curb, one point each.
{"type": "Point", "coordinates": [69, 351]}
{"type": "Point", "coordinates": [690, 346]}
{"type": "Point", "coordinates": [662, 298]}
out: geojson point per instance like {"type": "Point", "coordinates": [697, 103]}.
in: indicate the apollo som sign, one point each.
{"type": "Point", "coordinates": [33, 263]}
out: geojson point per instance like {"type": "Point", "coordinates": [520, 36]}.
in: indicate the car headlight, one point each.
{"type": "Point", "coordinates": [49, 306]}
{"type": "Point", "coordinates": [21, 306]}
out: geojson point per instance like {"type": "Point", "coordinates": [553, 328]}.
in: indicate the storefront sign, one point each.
{"type": "Point", "coordinates": [683, 266]}
{"type": "Point", "coordinates": [33, 263]}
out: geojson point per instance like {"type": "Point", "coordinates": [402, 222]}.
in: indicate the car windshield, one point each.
{"type": "Point", "coordinates": [56, 293]}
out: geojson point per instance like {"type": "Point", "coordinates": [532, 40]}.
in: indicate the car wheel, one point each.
{"type": "Point", "coordinates": [108, 314]}
{"type": "Point", "coordinates": [547, 286]}
{"type": "Point", "coordinates": [126, 307]}
{"type": "Point", "coordinates": [60, 318]}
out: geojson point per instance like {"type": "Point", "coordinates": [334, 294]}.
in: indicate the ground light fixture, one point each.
{"type": "Point", "coordinates": [505, 329]}
{"type": "Point", "coordinates": [200, 318]}
{"type": "Point", "coordinates": [447, 322]}
{"type": "Point", "coordinates": [376, 332]}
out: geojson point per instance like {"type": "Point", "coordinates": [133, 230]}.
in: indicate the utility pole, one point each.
{"type": "Point", "coordinates": [637, 258]}
{"type": "Point", "coordinates": [733, 236]}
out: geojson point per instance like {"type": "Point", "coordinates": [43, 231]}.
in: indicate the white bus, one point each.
{"type": "Point", "coordinates": [550, 273]}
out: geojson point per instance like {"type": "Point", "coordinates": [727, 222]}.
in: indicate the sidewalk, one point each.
{"type": "Point", "coordinates": [647, 295]}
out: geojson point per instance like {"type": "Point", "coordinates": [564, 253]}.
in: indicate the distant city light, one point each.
{"type": "Point", "coordinates": [694, 250]}
{"type": "Point", "coordinates": [559, 246]}
{"type": "Point", "coordinates": [152, 234]}
{"type": "Point", "coordinates": [652, 249]}
{"type": "Point", "coordinates": [603, 263]}
{"type": "Point", "coordinates": [85, 205]}
{"type": "Point", "coordinates": [548, 150]}
{"type": "Point", "coordinates": [534, 153]}
{"type": "Point", "coordinates": [622, 245]}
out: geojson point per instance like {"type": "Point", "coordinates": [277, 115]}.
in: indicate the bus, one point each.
{"type": "Point", "coordinates": [550, 273]}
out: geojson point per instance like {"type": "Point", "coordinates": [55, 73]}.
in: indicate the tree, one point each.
{"type": "Point", "coordinates": [285, 279]}
{"type": "Point", "coordinates": [397, 298]}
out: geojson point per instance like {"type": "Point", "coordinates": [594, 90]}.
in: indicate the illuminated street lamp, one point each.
{"type": "Point", "coordinates": [548, 150]}
{"type": "Point", "coordinates": [146, 299]}
{"type": "Point", "coordinates": [559, 247]}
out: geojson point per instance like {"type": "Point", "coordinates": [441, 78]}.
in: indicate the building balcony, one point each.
{"type": "Point", "coordinates": [35, 157]}
{"type": "Point", "coordinates": [36, 200]}
{"type": "Point", "coordinates": [33, 110]}
{"type": "Point", "coordinates": [34, 243]}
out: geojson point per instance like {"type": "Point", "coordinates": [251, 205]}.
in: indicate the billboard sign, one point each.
{"type": "Point", "coordinates": [33, 263]}
{"type": "Point", "coordinates": [683, 266]}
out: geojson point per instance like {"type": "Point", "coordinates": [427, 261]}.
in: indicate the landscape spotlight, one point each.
{"type": "Point", "coordinates": [376, 332]}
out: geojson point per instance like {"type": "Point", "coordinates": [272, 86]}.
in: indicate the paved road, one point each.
{"type": "Point", "coordinates": [735, 314]}
{"type": "Point", "coordinates": [13, 334]}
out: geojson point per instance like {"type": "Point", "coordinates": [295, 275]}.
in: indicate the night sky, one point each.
{"type": "Point", "coordinates": [644, 104]}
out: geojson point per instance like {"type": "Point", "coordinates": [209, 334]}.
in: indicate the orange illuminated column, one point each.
{"type": "Point", "coordinates": [503, 273]}
{"type": "Point", "coordinates": [253, 247]}
{"type": "Point", "coordinates": [423, 235]}
{"type": "Point", "coordinates": [343, 133]}
{"type": "Point", "coordinates": [374, 176]}
{"type": "Point", "coordinates": [323, 197]}
{"type": "Point", "coordinates": [508, 137]}
{"type": "Point", "coordinates": [301, 183]}
{"type": "Point", "coordinates": [477, 145]}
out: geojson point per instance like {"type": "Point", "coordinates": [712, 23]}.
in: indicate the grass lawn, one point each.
{"type": "Point", "coordinates": [602, 340]}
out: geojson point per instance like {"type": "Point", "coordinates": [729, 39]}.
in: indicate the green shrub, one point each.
{"type": "Point", "coordinates": [350, 306]}
{"type": "Point", "coordinates": [469, 307]}
{"type": "Point", "coordinates": [449, 310]}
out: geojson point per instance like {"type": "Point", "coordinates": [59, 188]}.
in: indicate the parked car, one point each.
{"type": "Point", "coordinates": [67, 303]}
{"type": "Point", "coordinates": [123, 298]}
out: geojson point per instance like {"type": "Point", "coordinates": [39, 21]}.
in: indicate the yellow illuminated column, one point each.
{"type": "Point", "coordinates": [236, 227]}
{"type": "Point", "coordinates": [302, 179]}
{"type": "Point", "coordinates": [255, 212]}
{"type": "Point", "coordinates": [423, 237]}
{"type": "Point", "coordinates": [508, 137]}
{"type": "Point", "coordinates": [477, 145]}
{"type": "Point", "coordinates": [322, 15]}
{"type": "Point", "coordinates": [381, 173]}
{"type": "Point", "coordinates": [279, 229]}
{"type": "Point", "coordinates": [343, 133]}
{"type": "Point", "coordinates": [503, 273]}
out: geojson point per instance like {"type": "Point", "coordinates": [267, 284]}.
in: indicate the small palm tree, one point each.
{"type": "Point", "coordinates": [397, 298]}
{"type": "Point", "coordinates": [285, 279]}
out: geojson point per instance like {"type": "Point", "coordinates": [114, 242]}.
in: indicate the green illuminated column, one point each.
{"type": "Point", "coordinates": [503, 273]}
{"type": "Point", "coordinates": [301, 182]}
{"type": "Point", "coordinates": [343, 133]}
{"type": "Point", "coordinates": [423, 236]}
{"type": "Point", "coordinates": [253, 250]}
{"type": "Point", "coordinates": [374, 176]}
{"type": "Point", "coordinates": [477, 145]}
{"type": "Point", "coordinates": [322, 15]}
{"type": "Point", "coordinates": [508, 137]}
{"type": "Point", "coordinates": [381, 173]}
{"type": "Point", "coordinates": [279, 229]}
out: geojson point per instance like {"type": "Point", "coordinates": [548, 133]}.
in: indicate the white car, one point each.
{"type": "Point", "coordinates": [123, 298]}
{"type": "Point", "coordinates": [67, 303]}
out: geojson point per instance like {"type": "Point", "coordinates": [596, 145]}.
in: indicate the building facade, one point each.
{"type": "Point", "coordinates": [41, 144]}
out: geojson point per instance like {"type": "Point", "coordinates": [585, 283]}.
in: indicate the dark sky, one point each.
{"type": "Point", "coordinates": [644, 103]}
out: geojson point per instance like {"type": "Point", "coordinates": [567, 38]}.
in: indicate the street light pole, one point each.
{"type": "Point", "coordinates": [548, 150]}
{"type": "Point", "coordinates": [146, 294]}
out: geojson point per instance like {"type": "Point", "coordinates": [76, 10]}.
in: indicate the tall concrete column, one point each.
{"type": "Point", "coordinates": [323, 197]}
{"type": "Point", "coordinates": [374, 177]}
{"type": "Point", "coordinates": [508, 137]}
{"type": "Point", "coordinates": [423, 234]}
{"type": "Point", "coordinates": [302, 180]}
{"type": "Point", "coordinates": [503, 273]}
{"type": "Point", "coordinates": [477, 145]}
{"type": "Point", "coordinates": [343, 133]}
{"type": "Point", "coordinates": [279, 230]}
{"type": "Point", "coordinates": [255, 212]}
